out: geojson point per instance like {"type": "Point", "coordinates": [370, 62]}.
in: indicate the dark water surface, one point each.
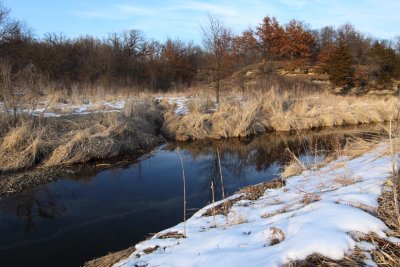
{"type": "Point", "coordinates": [72, 220]}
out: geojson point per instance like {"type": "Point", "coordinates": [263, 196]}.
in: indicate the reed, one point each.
{"type": "Point", "coordinates": [184, 193]}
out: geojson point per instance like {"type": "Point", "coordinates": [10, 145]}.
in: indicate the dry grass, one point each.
{"type": "Point", "coordinates": [387, 254]}
{"type": "Point", "coordinates": [310, 198]}
{"type": "Point", "coordinates": [222, 208]}
{"type": "Point", "coordinates": [277, 236]}
{"type": "Point", "coordinates": [254, 192]}
{"type": "Point", "coordinates": [110, 259]}
{"type": "Point", "coordinates": [355, 259]}
{"type": "Point", "coordinates": [56, 141]}
{"type": "Point", "coordinates": [345, 181]}
{"type": "Point", "coordinates": [292, 169]}
{"type": "Point", "coordinates": [175, 235]}
{"type": "Point", "coordinates": [275, 110]}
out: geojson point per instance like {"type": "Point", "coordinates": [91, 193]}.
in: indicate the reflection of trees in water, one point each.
{"type": "Point", "coordinates": [237, 155]}
{"type": "Point", "coordinates": [31, 204]}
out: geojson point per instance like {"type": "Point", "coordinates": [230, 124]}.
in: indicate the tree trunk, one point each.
{"type": "Point", "coordinates": [217, 90]}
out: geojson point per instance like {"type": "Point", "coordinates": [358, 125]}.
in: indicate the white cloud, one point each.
{"type": "Point", "coordinates": [137, 10]}
{"type": "Point", "coordinates": [206, 7]}
{"type": "Point", "coordinates": [184, 17]}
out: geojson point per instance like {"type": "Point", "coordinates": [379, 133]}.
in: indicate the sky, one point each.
{"type": "Point", "coordinates": [179, 19]}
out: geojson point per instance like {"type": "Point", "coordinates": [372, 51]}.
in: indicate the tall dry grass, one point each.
{"type": "Point", "coordinates": [278, 110]}
{"type": "Point", "coordinates": [55, 141]}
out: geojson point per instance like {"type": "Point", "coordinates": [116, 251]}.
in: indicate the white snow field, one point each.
{"type": "Point", "coordinates": [320, 211]}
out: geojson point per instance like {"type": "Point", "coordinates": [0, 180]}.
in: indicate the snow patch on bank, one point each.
{"type": "Point", "coordinates": [64, 109]}
{"type": "Point", "coordinates": [179, 102]}
{"type": "Point", "coordinates": [319, 211]}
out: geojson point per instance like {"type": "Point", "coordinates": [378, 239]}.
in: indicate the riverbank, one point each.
{"type": "Point", "coordinates": [39, 144]}
{"type": "Point", "coordinates": [341, 213]}
{"type": "Point", "coordinates": [48, 142]}
{"type": "Point", "coordinates": [276, 111]}
{"type": "Point", "coordinates": [270, 147]}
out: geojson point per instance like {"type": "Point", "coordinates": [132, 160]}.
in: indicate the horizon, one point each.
{"type": "Point", "coordinates": [182, 20]}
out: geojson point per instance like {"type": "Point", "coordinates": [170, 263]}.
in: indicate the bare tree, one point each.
{"type": "Point", "coordinates": [217, 41]}
{"type": "Point", "coordinates": [397, 44]}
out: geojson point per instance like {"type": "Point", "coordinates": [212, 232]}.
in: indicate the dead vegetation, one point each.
{"type": "Point", "coordinates": [277, 236]}
{"type": "Point", "coordinates": [254, 192]}
{"type": "Point", "coordinates": [175, 235]}
{"type": "Point", "coordinates": [54, 141]}
{"type": "Point", "coordinates": [222, 208]}
{"type": "Point", "coordinates": [150, 249]}
{"type": "Point", "coordinates": [387, 253]}
{"type": "Point", "coordinates": [110, 259]}
{"type": "Point", "coordinates": [310, 198]}
{"type": "Point", "coordinates": [355, 259]}
{"type": "Point", "coordinates": [278, 110]}
{"type": "Point", "coordinates": [292, 169]}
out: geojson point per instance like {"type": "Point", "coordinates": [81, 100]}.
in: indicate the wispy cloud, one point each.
{"type": "Point", "coordinates": [117, 12]}
{"type": "Point", "coordinates": [126, 10]}
{"type": "Point", "coordinates": [207, 7]}
{"type": "Point", "coordinates": [184, 17]}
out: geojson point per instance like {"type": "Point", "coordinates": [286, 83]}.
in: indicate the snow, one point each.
{"type": "Point", "coordinates": [320, 211]}
{"type": "Point", "coordinates": [117, 105]}
{"type": "Point", "coordinates": [181, 106]}
{"type": "Point", "coordinates": [63, 109]}
{"type": "Point", "coordinates": [82, 108]}
{"type": "Point", "coordinates": [88, 107]}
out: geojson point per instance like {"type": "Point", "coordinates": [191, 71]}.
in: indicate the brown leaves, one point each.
{"type": "Point", "coordinates": [293, 41]}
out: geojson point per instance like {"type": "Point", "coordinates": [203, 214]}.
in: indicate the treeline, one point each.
{"type": "Point", "coordinates": [124, 58]}
{"type": "Point", "coordinates": [129, 59]}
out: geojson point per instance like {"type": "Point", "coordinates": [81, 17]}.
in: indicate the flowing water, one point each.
{"type": "Point", "coordinates": [75, 219]}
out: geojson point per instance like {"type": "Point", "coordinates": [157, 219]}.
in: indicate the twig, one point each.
{"type": "Point", "coordinates": [184, 194]}
{"type": "Point", "coordinates": [222, 186]}
{"type": "Point", "coordinates": [213, 201]}
{"type": "Point", "coordinates": [394, 172]}
{"type": "Point", "coordinates": [220, 173]}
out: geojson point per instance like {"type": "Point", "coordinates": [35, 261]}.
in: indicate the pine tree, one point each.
{"type": "Point", "coordinates": [340, 66]}
{"type": "Point", "coordinates": [384, 63]}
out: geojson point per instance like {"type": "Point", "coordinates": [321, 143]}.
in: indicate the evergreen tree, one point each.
{"type": "Point", "coordinates": [384, 63]}
{"type": "Point", "coordinates": [340, 66]}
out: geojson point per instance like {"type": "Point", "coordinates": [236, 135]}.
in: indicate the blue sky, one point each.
{"type": "Point", "coordinates": [183, 19]}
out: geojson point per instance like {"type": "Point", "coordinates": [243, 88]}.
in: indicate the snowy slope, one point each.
{"type": "Point", "coordinates": [316, 212]}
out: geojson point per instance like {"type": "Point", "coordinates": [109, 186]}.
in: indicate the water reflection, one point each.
{"type": "Point", "coordinates": [77, 218]}
{"type": "Point", "coordinates": [32, 204]}
{"type": "Point", "coordinates": [262, 154]}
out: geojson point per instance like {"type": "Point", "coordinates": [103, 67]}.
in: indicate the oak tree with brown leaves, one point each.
{"type": "Point", "coordinates": [270, 35]}
{"type": "Point", "coordinates": [297, 43]}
